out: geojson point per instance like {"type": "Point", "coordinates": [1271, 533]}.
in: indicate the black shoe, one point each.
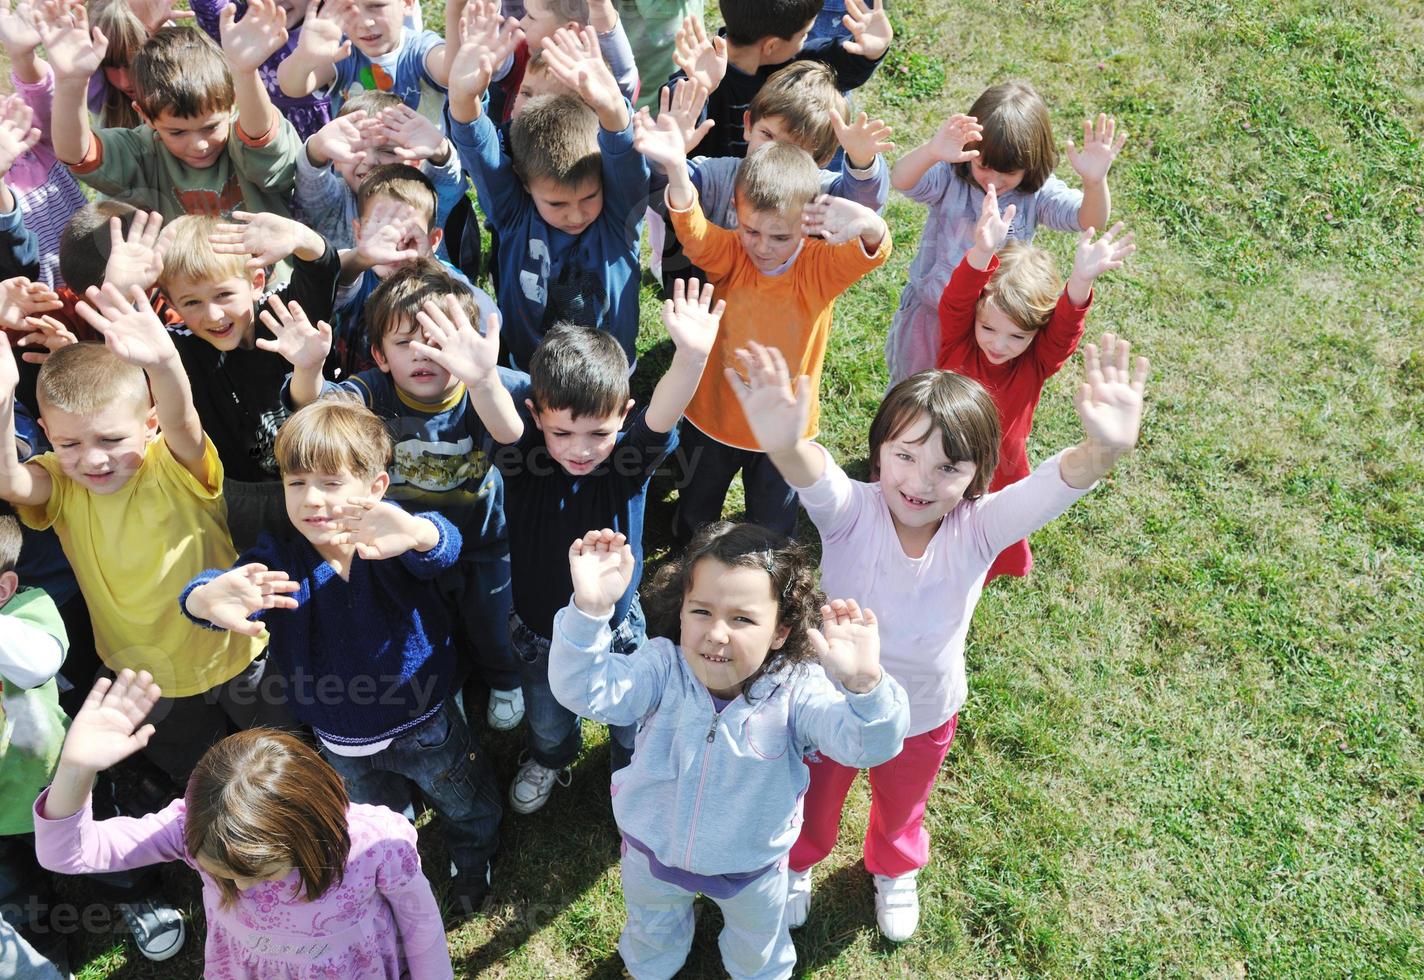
{"type": "Point", "coordinates": [468, 894]}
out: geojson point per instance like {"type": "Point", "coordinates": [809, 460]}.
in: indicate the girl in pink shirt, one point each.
{"type": "Point", "coordinates": [915, 545]}
{"type": "Point", "coordinates": [297, 881]}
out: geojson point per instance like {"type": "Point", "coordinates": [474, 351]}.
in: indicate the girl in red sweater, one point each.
{"type": "Point", "coordinates": [1005, 323]}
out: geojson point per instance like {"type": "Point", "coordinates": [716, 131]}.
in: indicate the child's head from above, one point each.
{"type": "Point", "coordinates": [773, 185]}
{"type": "Point", "coordinates": [739, 601]}
{"type": "Point", "coordinates": [373, 102]}
{"type": "Point", "coordinates": [126, 34]}
{"type": "Point", "coordinates": [778, 27]}
{"type": "Point", "coordinates": [1017, 302]}
{"type": "Point", "coordinates": [95, 411]}
{"type": "Point", "coordinates": [215, 294]}
{"type": "Point", "coordinates": [84, 244]}
{"type": "Point", "coordinates": [1017, 148]}
{"type": "Point", "coordinates": [553, 147]}
{"type": "Point", "coordinates": [330, 451]}
{"type": "Point", "coordinates": [579, 379]}
{"type": "Point", "coordinates": [182, 88]}
{"type": "Point", "coordinates": [391, 326]}
{"type": "Point", "coordinates": [933, 442]}
{"type": "Point", "coordinates": [543, 17]}
{"type": "Point", "coordinates": [794, 106]}
{"type": "Point", "coordinates": [377, 27]}
{"type": "Point", "coordinates": [401, 184]}
{"type": "Point", "coordinates": [10, 541]}
{"type": "Point", "coordinates": [538, 80]}
{"type": "Point", "coordinates": [261, 804]}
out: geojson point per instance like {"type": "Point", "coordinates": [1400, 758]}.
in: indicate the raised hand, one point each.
{"type": "Point", "coordinates": [954, 133]}
{"type": "Point", "coordinates": [776, 413]}
{"type": "Point", "coordinates": [837, 220]}
{"type": "Point", "coordinates": [574, 59]}
{"type": "Point", "coordinates": [323, 30]}
{"type": "Point", "coordinates": [385, 238]}
{"type": "Point", "coordinates": [848, 643]}
{"type": "Point", "coordinates": [661, 141]}
{"type": "Point", "coordinates": [130, 327]}
{"type": "Point", "coordinates": [304, 346]}
{"type": "Point", "coordinates": [45, 332]}
{"type": "Point", "coordinates": [248, 43]}
{"type": "Point", "coordinates": [991, 230]}
{"type": "Point", "coordinates": [9, 370]}
{"type": "Point", "coordinates": [870, 30]}
{"type": "Point", "coordinates": [601, 566]}
{"type": "Point", "coordinates": [452, 341]}
{"type": "Point", "coordinates": [410, 135]}
{"type": "Point", "coordinates": [486, 39]}
{"type": "Point", "coordinates": [74, 50]}
{"type": "Point", "coordinates": [343, 140]}
{"type": "Point", "coordinates": [1101, 145]}
{"type": "Point", "coordinates": [228, 600]}
{"type": "Point", "coordinates": [862, 140]}
{"type": "Point", "coordinates": [18, 34]}
{"type": "Point", "coordinates": [20, 298]}
{"type": "Point", "coordinates": [703, 59]}
{"type": "Point", "coordinates": [109, 726]}
{"type": "Point", "coordinates": [684, 102]}
{"type": "Point", "coordinates": [136, 258]}
{"type": "Point", "coordinates": [1109, 401]}
{"type": "Point", "coordinates": [1093, 258]}
{"type": "Point", "coordinates": [379, 529]}
{"type": "Point", "coordinates": [691, 319]}
{"type": "Point", "coordinates": [268, 238]}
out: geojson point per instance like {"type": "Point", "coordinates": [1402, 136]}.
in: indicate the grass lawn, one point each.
{"type": "Point", "coordinates": [1193, 741]}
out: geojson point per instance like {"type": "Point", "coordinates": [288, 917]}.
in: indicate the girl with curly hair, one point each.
{"type": "Point", "coordinates": [728, 699]}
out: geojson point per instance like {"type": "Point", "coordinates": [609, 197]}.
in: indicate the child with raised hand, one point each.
{"type": "Point", "coordinates": [362, 640]}
{"type": "Point", "coordinates": [1006, 141]}
{"type": "Point", "coordinates": [298, 881]}
{"type": "Point", "coordinates": [1006, 323]}
{"type": "Point", "coordinates": [731, 694]}
{"type": "Point", "coordinates": [916, 542]}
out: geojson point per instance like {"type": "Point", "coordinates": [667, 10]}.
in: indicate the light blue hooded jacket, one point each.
{"type": "Point", "coordinates": [714, 793]}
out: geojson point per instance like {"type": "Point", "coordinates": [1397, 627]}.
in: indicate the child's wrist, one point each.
{"type": "Point", "coordinates": [590, 608]}
{"type": "Point", "coordinates": [862, 681]}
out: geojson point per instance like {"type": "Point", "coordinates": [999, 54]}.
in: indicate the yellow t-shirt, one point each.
{"type": "Point", "coordinates": [134, 551]}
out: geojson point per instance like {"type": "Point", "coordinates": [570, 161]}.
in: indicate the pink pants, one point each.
{"type": "Point", "coordinates": [895, 842]}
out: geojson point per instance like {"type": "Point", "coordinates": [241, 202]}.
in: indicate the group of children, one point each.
{"type": "Point", "coordinates": [296, 476]}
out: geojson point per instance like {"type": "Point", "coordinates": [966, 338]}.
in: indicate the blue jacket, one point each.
{"type": "Point", "coordinates": [714, 793]}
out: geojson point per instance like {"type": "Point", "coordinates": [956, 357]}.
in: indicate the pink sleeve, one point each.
{"type": "Point", "coordinates": [997, 520]}
{"type": "Point", "coordinates": [412, 902]}
{"type": "Point", "coordinates": [79, 845]}
{"type": "Point", "coordinates": [833, 502]}
{"type": "Point", "coordinates": [39, 96]}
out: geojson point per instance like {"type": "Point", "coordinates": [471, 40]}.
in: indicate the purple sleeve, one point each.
{"type": "Point", "coordinates": [413, 905]}
{"type": "Point", "coordinates": [79, 845]}
{"type": "Point", "coordinates": [206, 13]}
{"type": "Point", "coordinates": [1057, 205]}
{"type": "Point", "coordinates": [999, 519]}
{"type": "Point", "coordinates": [39, 96]}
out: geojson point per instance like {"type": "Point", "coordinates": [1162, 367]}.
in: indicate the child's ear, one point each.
{"type": "Point", "coordinates": [150, 421]}
{"type": "Point", "coordinates": [9, 584]}
{"type": "Point", "coordinates": [747, 126]}
{"type": "Point", "coordinates": [533, 413]}
{"type": "Point", "coordinates": [259, 279]}
{"type": "Point", "coordinates": [379, 357]}
{"type": "Point", "coordinates": [380, 484]}
{"type": "Point", "coordinates": [628, 408]}
{"type": "Point", "coordinates": [437, 235]}
{"type": "Point", "coordinates": [141, 114]}
{"type": "Point", "coordinates": [779, 640]}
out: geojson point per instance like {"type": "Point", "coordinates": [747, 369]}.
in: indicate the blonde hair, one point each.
{"type": "Point", "coordinates": [190, 255]}
{"type": "Point", "coordinates": [780, 178]}
{"type": "Point", "coordinates": [1025, 286]}
{"type": "Point", "coordinates": [333, 435]}
{"type": "Point", "coordinates": [87, 378]}
{"type": "Point", "coordinates": [802, 96]}
{"type": "Point", "coordinates": [402, 183]}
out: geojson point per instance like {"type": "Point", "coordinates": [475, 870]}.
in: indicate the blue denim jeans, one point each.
{"type": "Point", "coordinates": [554, 733]}
{"type": "Point", "coordinates": [828, 22]}
{"type": "Point", "coordinates": [477, 592]}
{"type": "Point", "coordinates": [770, 501]}
{"type": "Point", "coordinates": [441, 756]}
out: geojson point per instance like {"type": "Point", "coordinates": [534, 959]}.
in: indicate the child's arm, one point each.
{"type": "Point", "coordinates": [614, 46]}
{"type": "Point", "coordinates": [387, 237]}
{"type": "Point", "coordinates": [312, 63]}
{"type": "Point", "coordinates": [380, 529]}
{"type": "Point", "coordinates": [247, 44]}
{"type": "Point", "coordinates": [17, 137]}
{"type": "Point", "coordinates": [21, 484]}
{"type": "Point", "coordinates": [701, 58]}
{"type": "Point", "coordinates": [1109, 404]}
{"type": "Point", "coordinates": [486, 40]}
{"type": "Point", "coordinates": [267, 239]}
{"type": "Point", "coordinates": [229, 601]}
{"type": "Point", "coordinates": [108, 728]}
{"type": "Point", "coordinates": [838, 220]}
{"type": "Point", "coordinates": [663, 143]}
{"type": "Point", "coordinates": [135, 334]}
{"type": "Point", "coordinates": [575, 60]}
{"type": "Point", "coordinates": [75, 53]}
{"type": "Point", "coordinates": [452, 342]}
{"type": "Point", "coordinates": [990, 231]}
{"type": "Point", "coordinates": [946, 146]}
{"type": "Point", "coordinates": [777, 413]}
{"type": "Point", "coordinates": [305, 347]}
{"type": "Point", "coordinates": [1101, 145]}
{"type": "Point", "coordinates": [440, 57]}
{"type": "Point", "coordinates": [19, 37]}
{"type": "Point", "coordinates": [1059, 338]}
{"type": "Point", "coordinates": [692, 323]}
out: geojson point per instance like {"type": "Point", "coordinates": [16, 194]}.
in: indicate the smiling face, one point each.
{"type": "Point", "coordinates": [567, 208]}
{"type": "Point", "coordinates": [100, 450]}
{"type": "Point", "coordinates": [312, 500]}
{"type": "Point", "coordinates": [999, 337]}
{"type": "Point", "coordinates": [768, 238]}
{"type": "Point", "coordinates": [198, 141]}
{"type": "Point", "coordinates": [377, 26]}
{"type": "Point", "coordinates": [221, 311]}
{"type": "Point", "coordinates": [580, 444]}
{"type": "Point", "coordinates": [729, 624]}
{"type": "Point", "coordinates": [413, 373]}
{"type": "Point", "coordinates": [919, 482]}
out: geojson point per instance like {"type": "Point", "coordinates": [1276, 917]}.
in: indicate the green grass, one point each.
{"type": "Point", "coordinates": [1193, 740]}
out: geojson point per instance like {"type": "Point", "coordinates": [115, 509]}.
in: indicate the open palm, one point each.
{"type": "Point", "coordinates": [601, 566]}
{"type": "Point", "coordinates": [109, 726]}
{"type": "Point", "coordinates": [1109, 401]}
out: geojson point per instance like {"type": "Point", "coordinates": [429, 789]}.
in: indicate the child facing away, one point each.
{"type": "Point", "coordinates": [582, 457]}
{"type": "Point", "coordinates": [362, 641]}
{"type": "Point", "coordinates": [1006, 323]}
{"type": "Point", "coordinates": [568, 198]}
{"type": "Point", "coordinates": [730, 699]}
{"type": "Point", "coordinates": [1006, 141]}
{"type": "Point", "coordinates": [916, 542]}
{"type": "Point", "coordinates": [793, 252]}
{"type": "Point", "coordinates": [444, 434]}
{"type": "Point", "coordinates": [298, 881]}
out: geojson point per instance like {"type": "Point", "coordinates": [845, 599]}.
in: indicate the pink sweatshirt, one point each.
{"type": "Point", "coordinates": [381, 921]}
{"type": "Point", "coordinates": [48, 193]}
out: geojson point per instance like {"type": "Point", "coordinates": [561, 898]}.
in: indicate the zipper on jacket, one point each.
{"type": "Point", "coordinates": [712, 731]}
{"type": "Point", "coordinates": [701, 779]}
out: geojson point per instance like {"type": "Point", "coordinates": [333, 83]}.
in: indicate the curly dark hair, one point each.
{"type": "Point", "coordinates": [793, 582]}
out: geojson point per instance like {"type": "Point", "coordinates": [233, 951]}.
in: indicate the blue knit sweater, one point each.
{"type": "Point", "coordinates": [366, 658]}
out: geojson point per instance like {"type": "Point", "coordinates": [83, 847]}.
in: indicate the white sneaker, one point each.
{"type": "Point", "coordinates": [897, 906]}
{"type": "Point", "coordinates": [798, 898]}
{"type": "Point", "coordinates": [533, 784]}
{"type": "Point", "coordinates": [506, 709]}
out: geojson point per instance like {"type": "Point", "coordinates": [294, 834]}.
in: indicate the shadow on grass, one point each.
{"type": "Point", "coordinates": [842, 907]}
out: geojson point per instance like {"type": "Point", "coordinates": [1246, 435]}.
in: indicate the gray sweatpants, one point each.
{"type": "Point", "coordinates": [19, 960]}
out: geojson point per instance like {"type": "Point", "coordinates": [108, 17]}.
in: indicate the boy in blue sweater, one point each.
{"type": "Point", "coordinates": [360, 637]}
{"type": "Point", "coordinates": [567, 200]}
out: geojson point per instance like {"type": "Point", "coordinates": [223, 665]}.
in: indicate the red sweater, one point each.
{"type": "Point", "coordinates": [1014, 385]}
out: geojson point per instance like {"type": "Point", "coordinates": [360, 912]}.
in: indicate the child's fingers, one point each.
{"type": "Point", "coordinates": [818, 642]}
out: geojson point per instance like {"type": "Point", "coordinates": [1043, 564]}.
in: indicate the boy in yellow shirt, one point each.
{"type": "Point", "coordinates": [133, 488]}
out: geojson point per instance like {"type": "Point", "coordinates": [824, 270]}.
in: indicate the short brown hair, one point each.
{"type": "Point", "coordinates": [333, 435]}
{"type": "Point", "coordinates": [87, 378]}
{"type": "Point", "coordinates": [84, 244]}
{"type": "Point", "coordinates": [581, 369]}
{"type": "Point", "coordinates": [556, 138]}
{"type": "Point", "coordinates": [753, 21]}
{"type": "Point", "coordinates": [126, 35]}
{"type": "Point", "coordinates": [1018, 135]}
{"type": "Point", "coordinates": [181, 70]}
{"type": "Point", "coordinates": [262, 798]}
{"type": "Point", "coordinates": [1025, 287]}
{"type": "Point", "coordinates": [10, 542]}
{"type": "Point", "coordinates": [402, 183]}
{"type": "Point", "coordinates": [190, 254]}
{"type": "Point", "coordinates": [401, 295]}
{"type": "Point", "coordinates": [779, 178]}
{"type": "Point", "coordinates": [802, 96]}
{"type": "Point", "coordinates": [372, 101]}
{"type": "Point", "coordinates": [958, 407]}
